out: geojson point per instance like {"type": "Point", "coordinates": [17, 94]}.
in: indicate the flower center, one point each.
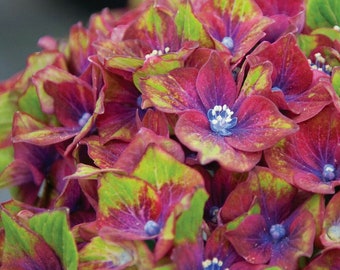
{"type": "Point", "coordinates": [228, 42]}
{"type": "Point", "coordinates": [221, 120]}
{"type": "Point", "coordinates": [214, 264]}
{"type": "Point", "coordinates": [277, 231]}
{"type": "Point", "coordinates": [157, 53]}
{"type": "Point", "coordinates": [83, 119]}
{"type": "Point", "coordinates": [320, 64]}
{"type": "Point", "coordinates": [328, 173]}
{"type": "Point", "coordinates": [276, 89]}
{"type": "Point", "coordinates": [213, 211]}
{"type": "Point", "coordinates": [152, 228]}
{"type": "Point", "coordinates": [333, 232]}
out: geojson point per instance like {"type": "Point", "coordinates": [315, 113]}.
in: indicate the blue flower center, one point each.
{"type": "Point", "coordinates": [152, 228]}
{"type": "Point", "coordinates": [214, 264]}
{"type": "Point", "coordinates": [328, 173]}
{"type": "Point", "coordinates": [213, 212]}
{"type": "Point", "coordinates": [228, 42]}
{"type": "Point", "coordinates": [276, 89]}
{"type": "Point", "coordinates": [83, 119]}
{"type": "Point", "coordinates": [277, 232]}
{"type": "Point", "coordinates": [221, 120]}
{"type": "Point", "coordinates": [333, 232]}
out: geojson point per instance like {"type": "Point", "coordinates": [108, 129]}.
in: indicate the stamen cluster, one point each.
{"type": "Point", "coordinates": [157, 53]}
{"type": "Point", "coordinates": [221, 120]}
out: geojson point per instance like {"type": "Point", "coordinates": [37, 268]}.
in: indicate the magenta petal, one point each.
{"type": "Point", "coordinates": [310, 102]}
{"type": "Point", "coordinates": [248, 240]}
{"type": "Point", "coordinates": [20, 172]}
{"type": "Point", "coordinates": [292, 73]}
{"type": "Point", "coordinates": [260, 125]}
{"type": "Point", "coordinates": [125, 215]}
{"type": "Point", "coordinates": [132, 154]}
{"type": "Point", "coordinates": [331, 223]}
{"type": "Point", "coordinates": [328, 259]}
{"type": "Point", "coordinates": [215, 83]}
{"type": "Point", "coordinates": [301, 233]}
{"type": "Point", "coordinates": [72, 97]}
{"type": "Point", "coordinates": [301, 157]}
{"type": "Point", "coordinates": [193, 130]}
{"type": "Point", "coordinates": [174, 92]}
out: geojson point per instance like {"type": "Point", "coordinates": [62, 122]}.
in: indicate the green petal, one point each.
{"type": "Point", "coordinates": [23, 248]}
{"type": "Point", "coordinates": [160, 168]}
{"type": "Point", "coordinates": [54, 228]}
{"type": "Point", "coordinates": [189, 223]}
{"type": "Point", "coordinates": [99, 252]}
{"type": "Point", "coordinates": [189, 27]}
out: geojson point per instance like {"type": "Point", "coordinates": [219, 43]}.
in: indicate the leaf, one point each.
{"type": "Point", "coordinates": [322, 13]}
{"type": "Point", "coordinates": [54, 228]}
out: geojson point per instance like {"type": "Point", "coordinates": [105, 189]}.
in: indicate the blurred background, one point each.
{"type": "Point", "coordinates": [23, 22]}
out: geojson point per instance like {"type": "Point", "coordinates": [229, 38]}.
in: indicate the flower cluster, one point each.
{"type": "Point", "coordinates": [183, 134]}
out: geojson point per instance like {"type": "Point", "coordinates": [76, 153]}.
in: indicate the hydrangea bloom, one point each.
{"type": "Point", "coordinates": [181, 134]}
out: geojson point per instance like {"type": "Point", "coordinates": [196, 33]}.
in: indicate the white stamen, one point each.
{"type": "Point", "coordinates": [212, 264]}
{"type": "Point", "coordinates": [157, 53]}
{"type": "Point", "coordinates": [221, 120]}
{"type": "Point", "coordinates": [336, 28]}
